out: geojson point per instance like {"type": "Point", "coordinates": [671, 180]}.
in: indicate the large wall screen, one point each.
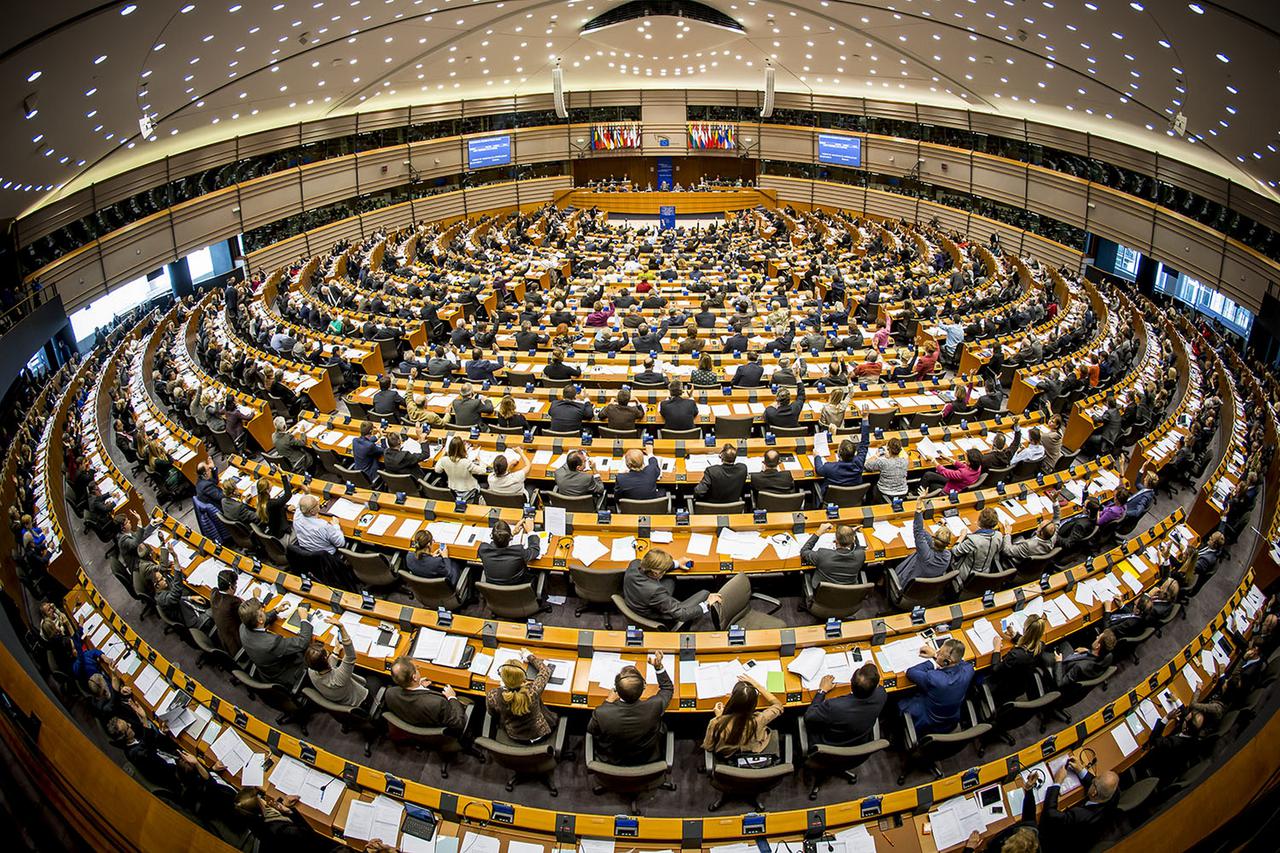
{"type": "Point", "coordinates": [488, 151]}
{"type": "Point", "coordinates": [840, 150]}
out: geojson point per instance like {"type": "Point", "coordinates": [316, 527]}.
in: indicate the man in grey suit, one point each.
{"type": "Point", "coordinates": [648, 592]}
{"type": "Point", "coordinates": [410, 700]}
{"type": "Point", "coordinates": [843, 564]}
{"type": "Point", "coordinates": [628, 730]}
{"type": "Point", "coordinates": [576, 478]}
{"type": "Point", "coordinates": [279, 659]}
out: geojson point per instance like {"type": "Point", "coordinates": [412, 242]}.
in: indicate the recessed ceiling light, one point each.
{"type": "Point", "coordinates": [1222, 57]}
{"type": "Point", "coordinates": [187, 8]}
{"type": "Point", "coordinates": [128, 10]}
{"type": "Point", "coordinates": [100, 59]}
{"type": "Point", "coordinates": [1196, 7]}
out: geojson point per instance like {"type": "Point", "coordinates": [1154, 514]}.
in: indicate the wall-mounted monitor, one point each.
{"type": "Point", "coordinates": [488, 151]}
{"type": "Point", "coordinates": [840, 150]}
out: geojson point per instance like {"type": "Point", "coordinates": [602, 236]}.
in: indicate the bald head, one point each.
{"type": "Point", "coordinates": [634, 459]}
{"type": "Point", "coordinates": [309, 505]}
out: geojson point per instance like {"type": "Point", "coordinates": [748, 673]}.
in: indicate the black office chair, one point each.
{"type": "Point", "coordinates": [921, 592]}
{"type": "Point", "coordinates": [536, 761]}
{"type": "Point", "coordinates": [374, 569]}
{"type": "Point", "coordinates": [634, 618]}
{"type": "Point", "coordinates": [821, 761]}
{"type": "Point", "coordinates": [596, 587]}
{"type": "Point", "coordinates": [516, 500]}
{"type": "Point", "coordinates": [825, 600]}
{"type": "Point", "coordinates": [847, 496]}
{"type": "Point", "coordinates": [571, 503]}
{"type": "Point", "coordinates": [631, 780]}
{"type": "Point", "coordinates": [735, 607]}
{"type": "Point", "coordinates": [438, 739]}
{"type": "Point", "coordinates": [649, 506]}
{"type": "Point", "coordinates": [747, 784]}
{"type": "Point", "coordinates": [734, 427]}
{"type": "Point", "coordinates": [780, 502]}
{"type": "Point", "coordinates": [694, 434]}
{"type": "Point", "coordinates": [515, 601]}
{"type": "Point", "coordinates": [930, 749]}
{"type": "Point", "coordinates": [701, 507]}
{"type": "Point", "coordinates": [269, 545]}
{"type": "Point", "coordinates": [1007, 716]}
{"type": "Point", "coordinates": [396, 483]}
{"type": "Point", "coordinates": [434, 593]}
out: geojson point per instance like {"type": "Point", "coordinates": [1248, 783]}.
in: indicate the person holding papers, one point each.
{"type": "Point", "coordinates": [1078, 826]}
{"type": "Point", "coordinates": [508, 478]}
{"type": "Point", "coordinates": [171, 598]}
{"type": "Point", "coordinates": [278, 658]}
{"type": "Point", "coordinates": [648, 591]}
{"type": "Point", "coordinates": [944, 681]}
{"type": "Point", "coordinates": [850, 719]}
{"type": "Point", "coordinates": [334, 676]}
{"type": "Point", "coordinates": [843, 564]}
{"type": "Point", "coordinates": [738, 729]}
{"type": "Point", "coordinates": [1022, 837]}
{"type": "Point", "coordinates": [503, 562]}
{"type": "Point", "coordinates": [276, 822]}
{"type": "Point", "coordinates": [956, 477]}
{"type": "Point", "coordinates": [1033, 451]}
{"type": "Point", "coordinates": [397, 460]}
{"type": "Point", "coordinates": [1038, 545]}
{"type": "Point", "coordinates": [289, 444]}
{"type": "Point", "coordinates": [152, 754]}
{"type": "Point", "coordinates": [517, 703]}
{"type": "Point", "coordinates": [411, 699]}
{"type": "Point", "coordinates": [628, 729]}
{"type": "Point", "coordinates": [460, 469]}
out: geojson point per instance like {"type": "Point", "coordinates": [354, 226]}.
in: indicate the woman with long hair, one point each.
{"type": "Point", "coordinates": [738, 727]}
{"type": "Point", "coordinates": [460, 470]}
{"type": "Point", "coordinates": [833, 411]}
{"type": "Point", "coordinates": [517, 702]}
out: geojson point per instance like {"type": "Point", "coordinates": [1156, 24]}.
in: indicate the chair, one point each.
{"type": "Point", "coordinates": [1008, 716]}
{"type": "Point", "coordinates": [328, 460]}
{"type": "Point", "coordinates": [374, 569]}
{"type": "Point", "coordinates": [354, 475]}
{"type": "Point", "coordinates": [928, 750]}
{"type": "Point", "coordinates": [798, 431]}
{"type": "Point", "coordinates": [241, 536]}
{"type": "Point", "coordinates": [1025, 470]}
{"type": "Point", "coordinates": [631, 780]}
{"type": "Point", "coordinates": [979, 582]}
{"type": "Point", "coordinates": [348, 716]}
{"type": "Point", "coordinates": [438, 739]}
{"type": "Point", "coordinates": [826, 600]}
{"type": "Point", "coordinates": [506, 430]}
{"type": "Point", "coordinates": [779, 502]}
{"type": "Point", "coordinates": [921, 592]}
{"type": "Point", "coordinates": [1000, 475]}
{"type": "Point", "coordinates": [434, 593]}
{"type": "Point", "coordinates": [1127, 647]}
{"type": "Point", "coordinates": [881, 420]}
{"type": "Point", "coordinates": [276, 696]}
{"type": "Point", "coordinates": [926, 419]}
{"type": "Point", "coordinates": [1078, 690]}
{"type": "Point", "coordinates": [358, 410]}
{"type": "Point", "coordinates": [511, 501]}
{"type": "Point", "coordinates": [651, 506]}
{"type": "Point", "coordinates": [734, 427]}
{"type": "Point", "coordinates": [727, 508]}
{"type": "Point", "coordinates": [435, 493]}
{"type": "Point", "coordinates": [605, 432]}
{"type": "Point", "coordinates": [572, 503]}
{"type": "Point", "coordinates": [225, 445]}
{"type": "Point", "coordinates": [847, 496]}
{"type": "Point", "coordinates": [595, 587]}
{"type": "Point", "coordinates": [1136, 795]}
{"type": "Point", "coordinates": [746, 784]}
{"type": "Point", "coordinates": [965, 415]}
{"type": "Point", "coordinates": [735, 606]}
{"type": "Point", "coordinates": [515, 601]}
{"type": "Point", "coordinates": [548, 382]}
{"type": "Point", "coordinates": [525, 761]}
{"type": "Point", "coordinates": [1065, 461]}
{"type": "Point", "coordinates": [329, 569]}
{"type": "Point", "coordinates": [821, 761]}
{"type": "Point", "coordinates": [1033, 568]}
{"type": "Point", "coordinates": [694, 434]}
{"type": "Point", "coordinates": [562, 433]}
{"type": "Point", "coordinates": [396, 483]}
{"type": "Point", "coordinates": [636, 619]}
{"type": "Point", "coordinates": [210, 652]}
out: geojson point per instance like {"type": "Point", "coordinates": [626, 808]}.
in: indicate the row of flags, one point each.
{"type": "Point", "coordinates": [722, 137]}
{"type": "Point", "coordinates": [612, 137]}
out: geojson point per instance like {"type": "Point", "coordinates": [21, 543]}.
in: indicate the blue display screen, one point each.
{"type": "Point", "coordinates": [839, 150]}
{"type": "Point", "coordinates": [489, 151]}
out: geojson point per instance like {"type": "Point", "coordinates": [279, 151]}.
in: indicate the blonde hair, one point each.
{"type": "Point", "coordinates": [506, 406]}
{"type": "Point", "coordinates": [514, 691]}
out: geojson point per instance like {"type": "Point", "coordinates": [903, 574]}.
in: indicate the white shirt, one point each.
{"type": "Point", "coordinates": [1029, 453]}
{"type": "Point", "coordinates": [313, 533]}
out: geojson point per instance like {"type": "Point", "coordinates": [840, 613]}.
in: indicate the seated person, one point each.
{"type": "Point", "coordinates": [723, 483]}
{"type": "Point", "coordinates": [932, 555]}
{"type": "Point", "coordinates": [517, 702]}
{"type": "Point", "coordinates": [507, 477]}
{"type": "Point", "coordinates": [648, 592]}
{"type": "Point", "coordinates": [640, 480]}
{"type": "Point", "coordinates": [311, 532]}
{"type": "Point", "coordinates": [944, 682]}
{"type": "Point", "coordinates": [504, 563]}
{"type": "Point", "coordinates": [430, 559]}
{"type": "Point", "coordinates": [1083, 664]}
{"type": "Point", "coordinates": [623, 413]}
{"type": "Point", "coordinates": [846, 469]}
{"type": "Point", "coordinates": [678, 412]}
{"type": "Point", "coordinates": [279, 658]}
{"type": "Point", "coordinates": [628, 729]}
{"type": "Point", "coordinates": [1078, 826]}
{"type": "Point", "coordinates": [334, 676]}
{"type": "Point", "coordinates": [737, 728]}
{"type": "Point", "coordinates": [846, 720]}
{"type": "Point", "coordinates": [771, 477]}
{"type": "Point", "coordinates": [577, 477]}
{"type": "Point", "coordinates": [468, 409]}
{"type": "Point", "coordinates": [397, 460]}
{"type": "Point", "coordinates": [843, 564]}
{"type": "Point", "coordinates": [412, 700]}
{"type": "Point", "coordinates": [386, 400]}
{"type": "Point", "coordinates": [569, 414]}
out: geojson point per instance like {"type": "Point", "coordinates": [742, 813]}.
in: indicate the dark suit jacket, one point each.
{"type": "Point", "coordinates": [834, 565]}
{"type": "Point", "coordinates": [632, 733]}
{"type": "Point", "coordinates": [748, 375]}
{"type": "Point", "coordinates": [277, 657]}
{"type": "Point", "coordinates": [722, 483]}
{"type": "Point", "coordinates": [227, 620]}
{"type": "Point", "coordinates": [1069, 830]}
{"type": "Point", "coordinates": [778, 481]}
{"type": "Point", "coordinates": [402, 462]}
{"type": "Point", "coordinates": [1080, 667]}
{"type": "Point", "coordinates": [652, 599]}
{"type": "Point", "coordinates": [509, 565]}
{"type": "Point", "coordinates": [639, 485]}
{"type": "Point", "coordinates": [845, 720]}
{"type": "Point", "coordinates": [678, 413]}
{"type": "Point", "coordinates": [425, 708]}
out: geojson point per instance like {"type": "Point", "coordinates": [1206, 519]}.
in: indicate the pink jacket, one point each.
{"type": "Point", "coordinates": [601, 317]}
{"type": "Point", "coordinates": [958, 478]}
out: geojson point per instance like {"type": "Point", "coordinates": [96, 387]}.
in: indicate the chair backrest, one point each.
{"type": "Point", "coordinates": [509, 601]}
{"type": "Point", "coordinates": [358, 410]}
{"type": "Point", "coordinates": [999, 475]}
{"type": "Point", "coordinates": [1065, 461]}
{"type": "Point", "coordinates": [270, 545]}
{"type": "Point", "coordinates": [694, 434]}
{"type": "Point", "coordinates": [435, 493]}
{"type": "Point", "coordinates": [371, 567]}
{"type": "Point", "coordinates": [572, 503]}
{"type": "Point", "coordinates": [958, 415]}
{"type": "Point", "coordinates": [926, 419]}
{"type": "Point", "coordinates": [1025, 470]}
{"type": "Point", "coordinates": [713, 508]}
{"type": "Point", "coordinates": [927, 591]}
{"type": "Point", "coordinates": [979, 582]}
{"type": "Point", "coordinates": [353, 475]}
{"type": "Point", "coordinates": [392, 482]}
{"type": "Point", "coordinates": [555, 383]}
{"type": "Point", "coordinates": [838, 600]}
{"type": "Point", "coordinates": [431, 593]}
{"type": "Point", "coordinates": [651, 506]}
{"type": "Point", "coordinates": [240, 534]}
{"type": "Point", "coordinates": [516, 500]}
{"type": "Point", "coordinates": [735, 601]}
{"type": "Point", "coordinates": [506, 430]}
{"type": "Point", "coordinates": [881, 420]}
{"type": "Point", "coordinates": [597, 586]}
{"type": "Point", "coordinates": [328, 460]}
{"type": "Point", "coordinates": [634, 618]}
{"type": "Point", "coordinates": [798, 431]}
{"type": "Point", "coordinates": [606, 432]}
{"type": "Point", "coordinates": [736, 426]}
{"type": "Point", "coordinates": [847, 496]}
{"type": "Point", "coordinates": [750, 781]}
{"type": "Point", "coordinates": [224, 442]}
{"type": "Point", "coordinates": [780, 501]}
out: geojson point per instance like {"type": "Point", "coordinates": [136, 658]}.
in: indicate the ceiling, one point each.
{"type": "Point", "coordinates": [77, 76]}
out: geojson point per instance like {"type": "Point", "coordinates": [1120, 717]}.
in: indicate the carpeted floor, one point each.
{"type": "Point", "coordinates": [879, 774]}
